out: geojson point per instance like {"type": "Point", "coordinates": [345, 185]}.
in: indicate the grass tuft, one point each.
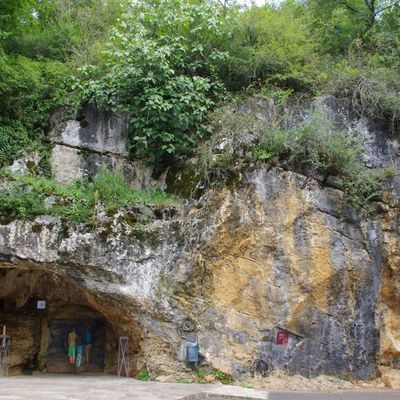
{"type": "Point", "coordinates": [25, 197]}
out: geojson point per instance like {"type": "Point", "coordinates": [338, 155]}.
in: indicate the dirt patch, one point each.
{"type": "Point", "coordinates": [279, 380]}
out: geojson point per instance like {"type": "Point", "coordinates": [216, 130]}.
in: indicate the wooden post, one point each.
{"type": "Point", "coordinates": [123, 356]}
{"type": "Point", "coordinates": [4, 352]}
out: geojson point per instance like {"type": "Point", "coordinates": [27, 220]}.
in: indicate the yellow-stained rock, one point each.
{"type": "Point", "coordinates": [390, 377]}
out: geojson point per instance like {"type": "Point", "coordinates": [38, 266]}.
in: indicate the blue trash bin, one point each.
{"type": "Point", "coordinates": [192, 351]}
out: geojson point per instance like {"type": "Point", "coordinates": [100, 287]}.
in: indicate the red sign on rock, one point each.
{"type": "Point", "coordinates": [282, 338]}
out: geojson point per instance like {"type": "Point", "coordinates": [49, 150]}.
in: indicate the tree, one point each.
{"type": "Point", "coordinates": [271, 44]}
{"type": "Point", "coordinates": [159, 73]}
{"type": "Point", "coordinates": [57, 29]}
{"type": "Point", "coordinates": [40, 42]}
{"type": "Point", "coordinates": [369, 10]}
{"type": "Point", "coordinates": [361, 17]}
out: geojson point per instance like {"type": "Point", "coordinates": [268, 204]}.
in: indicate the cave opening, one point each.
{"type": "Point", "coordinates": [82, 320]}
{"type": "Point", "coordinates": [41, 307]}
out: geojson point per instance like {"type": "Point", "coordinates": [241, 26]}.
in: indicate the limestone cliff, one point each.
{"type": "Point", "coordinates": [275, 251]}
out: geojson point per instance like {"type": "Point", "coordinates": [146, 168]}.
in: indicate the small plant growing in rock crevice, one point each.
{"type": "Point", "coordinates": [204, 375]}
{"type": "Point", "coordinates": [143, 375]}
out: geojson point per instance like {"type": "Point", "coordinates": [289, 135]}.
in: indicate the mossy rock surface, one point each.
{"type": "Point", "coordinates": [184, 180]}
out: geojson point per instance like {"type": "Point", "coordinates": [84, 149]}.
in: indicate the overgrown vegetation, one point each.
{"type": "Point", "coordinates": [159, 72]}
{"type": "Point", "coordinates": [13, 140]}
{"type": "Point", "coordinates": [273, 129]}
{"type": "Point", "coordinates": [41, 44]}
{"type": "Point", "coordinates": [316, 144]}
{"type": "Point", "coordinates": [165, 65]}
{"type": "Point", "coordinates": [29, 196]}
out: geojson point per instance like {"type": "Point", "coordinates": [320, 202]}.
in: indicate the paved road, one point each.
{"type": "Point", "coordinates": [348, 395]}
{"type": "Point", "coordinates": [84, 387]}
{"type": "Point", "coordinates": [103, 387]}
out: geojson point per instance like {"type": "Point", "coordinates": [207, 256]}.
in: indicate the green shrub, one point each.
{"type": "Point", "coordinates": [201, 374]}
{"type": "Point", "coordinates": [275, 144]}
{"type": "Point", "coordinates": [318, 144]}
{"type": "Point", "coordinates": [13, 140]}
{"type": "Point", "coordinates": [271, 44]}
{"type": "Point", "coordinates": [390, 172]}
{"type": "Point", "coordinates": [315, 145]}
{"type": "Point", "coordinates": [30, 90]}
{"type": "Point", "coordinates": [361, 186]}
{"type": "Point", "coordinates": [143, 375]}
{"type": "Point", "coordinates": [374, 88]}
{"type": "Point", "coordinates": [377, 94]}
{"type": "Point", "coordinates": [319, 147]}
{"type": "Point", "coordinates": [159, 73]}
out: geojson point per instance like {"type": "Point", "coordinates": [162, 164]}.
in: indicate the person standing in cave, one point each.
{"type": "Point", "coordinates": [79, 349]}
{"type": "Point", "coordinates": [88, 344]}
{"type": "Point", "coordinates": [72, 336]}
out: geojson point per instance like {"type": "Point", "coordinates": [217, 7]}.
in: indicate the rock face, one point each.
{"type": "Point", "coordinates": [389, 306]}
{"type": "Point", "coordinates": [274, 254]}
{"type": "Point", "coordinates": [97, 141]}
{"type": "Point", "coordinates": [282, 258]}
{"type": "Point", "coordinates": [277, 252]}
{"type": "Point", "coordinates": [97, 131]}
{"type": "Point", "coordinates": [26, 341]}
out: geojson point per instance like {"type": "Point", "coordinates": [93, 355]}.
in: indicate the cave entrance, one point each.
{"type": "Point", "coordinates": [91, 336]}
{"type": "Point", "coordinates": [41, 307]}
